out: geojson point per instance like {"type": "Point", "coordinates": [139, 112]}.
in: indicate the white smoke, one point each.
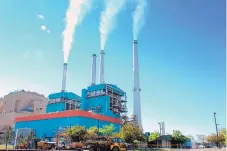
{"type": "Point", "coordinates": [138, 17]}
{"type": "Point", "coordinates": [43, 27]}
{"type": "Point", "coordinates": [40, 16]}
{"type": "Point", "coordinates": [74, 16]}
{"type": "Point", "coordinates": [108, 17]}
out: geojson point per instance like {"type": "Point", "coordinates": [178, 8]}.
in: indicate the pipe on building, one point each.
{"type": "Point", "coordinates": [136, 89]}
{"type": "Point", "coordinates": [101, 78]}
{"type": "Point", "coordinates": [64, 77]}
{"type": "Point", "coordinates": [93, 70]}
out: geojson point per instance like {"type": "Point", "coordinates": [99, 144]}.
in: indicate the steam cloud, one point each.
{"type": "Point", "coordinates": [76, 12]}
{"type": "Point", "coordinates": [40, 16]}
{"type": "Point", "coordinates": [43, 27]}
{"type": "Point", "coordinates": [108, 17]}
{"type": "Point", "coordinates": [138, 17]}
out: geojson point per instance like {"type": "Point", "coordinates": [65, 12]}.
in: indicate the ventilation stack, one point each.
{"type": "Point", "coordinates": [101, 78]}
{"type": "Point", "coordinates": [136, 89]}
{"type": "Point", "coordinates": [64, 77]}
{"type": "Point", "coordinates": [93, 70]}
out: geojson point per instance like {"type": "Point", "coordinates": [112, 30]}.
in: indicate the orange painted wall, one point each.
{"type": "Point", "coordinates": [70, 113]}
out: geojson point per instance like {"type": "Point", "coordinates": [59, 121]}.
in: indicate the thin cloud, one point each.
{"type": "Point", "coordinates": [40, 16]}
{"type": "Point", "coordinates": [36, 55]}
{"type": "Point", "coordinates": [48, 31]}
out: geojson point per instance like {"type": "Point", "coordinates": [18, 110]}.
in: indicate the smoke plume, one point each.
{"type": "Point", "coordinates": [108, 17]}
{"type": "Point", "coordinates": [74, 16]}
{"type": "Point", "coordinates": [138, 17]}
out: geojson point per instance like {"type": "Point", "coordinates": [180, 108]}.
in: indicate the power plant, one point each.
{"type": "Point", "coordinates": [98, 105]}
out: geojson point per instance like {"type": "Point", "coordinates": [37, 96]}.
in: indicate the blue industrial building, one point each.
{"type": "Point", "coordinates": [98, 105]}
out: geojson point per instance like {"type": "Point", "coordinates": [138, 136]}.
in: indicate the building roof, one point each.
{"type": "Point", "coordinates": [67, 95]}
{"type": "Point", "coordinates": [165, 137]}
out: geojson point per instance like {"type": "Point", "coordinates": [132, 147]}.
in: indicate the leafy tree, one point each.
{"type": "Point", "coordinates": [190, 137]}
{"type": "Point", "coordinates": [222, 136]}
{"type": "Point", "coordinates": [107, 130]}
{"type": "Point", "coordinates": [76, 133]}
{"type": "Point", "coordinates": [92, 132]}
{"type": "Point", "coordinates": [221, 139]}
{"type": "Point", "coordinates": [7, 134]}
{"type": "Point", "coordinates": [177, 135]}
{"type": "Point", "coordinates": [130, 132]}
{"type": "Point", "coordinates": [154, 136]}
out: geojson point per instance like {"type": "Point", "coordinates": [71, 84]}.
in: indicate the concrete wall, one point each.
{"type": "Point", "coordinates": [12, 106]}
{"type": "Point", "coordinates": [1, 105]}
{"type": "Point", "coordinates": [8, 118]}
{"type": "Point", "coordinates": [16, 102]}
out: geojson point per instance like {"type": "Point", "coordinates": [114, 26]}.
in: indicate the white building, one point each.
{"type": "Point", "coordinates": [20, 103]}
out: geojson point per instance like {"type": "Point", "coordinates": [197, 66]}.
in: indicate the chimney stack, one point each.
{"type": "Point", "coordinates": [93, 70]}
{"type": "Point", "coordinates": [136, 87]}
{"type": "Point", "coordinates": [64, 77]}
{"type": "Point", "coordinates": [101, 67]}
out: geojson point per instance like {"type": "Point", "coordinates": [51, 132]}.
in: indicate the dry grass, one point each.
{"type": "Point", "coordinates": [4, 147]}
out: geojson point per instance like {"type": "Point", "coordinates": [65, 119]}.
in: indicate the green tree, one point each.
{"type": "Point", "coordinates": [107, 130]}
{"type": "Point", "coordinates": [129, 133]}
{"type": "Point", "coordinates": [76, 133]}
{"type": "Point", "coordinates": [192, 138]}
{"type": "Point", "coordinates": [154, 136]}
{"type": "Point", "coordinates": [180, 139]}
{"type": "Point", "coordinates": [7, 134]}
{"type": "Point", "coordinates": [92, 132]}
{"type": "Point", "coordinates": [221, 139]}
{"type": "Point", "coordinates": [222, 136]}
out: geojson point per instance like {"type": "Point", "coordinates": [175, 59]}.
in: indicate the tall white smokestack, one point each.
{"type": "Point", "coordinates": [136, 89]}
{"type": "Point", "coordinates": [163, 128]}
{"type": "Point", "coordinates": [93, 70]}
{"type": "Point", "coordinates": [101, 78]}
{"type": "Point", "coordinates": [64, 77]}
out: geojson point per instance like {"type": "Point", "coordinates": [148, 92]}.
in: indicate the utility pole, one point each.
{"type": "Point", "coordinates": [216, 125]}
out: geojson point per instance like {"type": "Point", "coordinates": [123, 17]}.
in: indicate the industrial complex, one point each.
{"type": "Point", "coordinates": [98, 105]}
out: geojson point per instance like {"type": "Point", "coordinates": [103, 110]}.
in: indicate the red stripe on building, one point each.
{"type": "Point", "coordinates": [72, 113]}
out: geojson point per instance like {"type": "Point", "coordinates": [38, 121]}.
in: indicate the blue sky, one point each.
{"type": "Point", "coordinates": [181, 57]}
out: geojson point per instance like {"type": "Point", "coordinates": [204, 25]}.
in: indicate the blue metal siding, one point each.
{"type": "Point", "coordinates": [68, 95]}
{"type": "Point", "coordinates": [103, 101]}
{"type": "Point", "coordinates": [48, 128]}
{"type": "Point", "coordinates": [188, 143]}
{"type": "Point", "coordinates": [55, 107]}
